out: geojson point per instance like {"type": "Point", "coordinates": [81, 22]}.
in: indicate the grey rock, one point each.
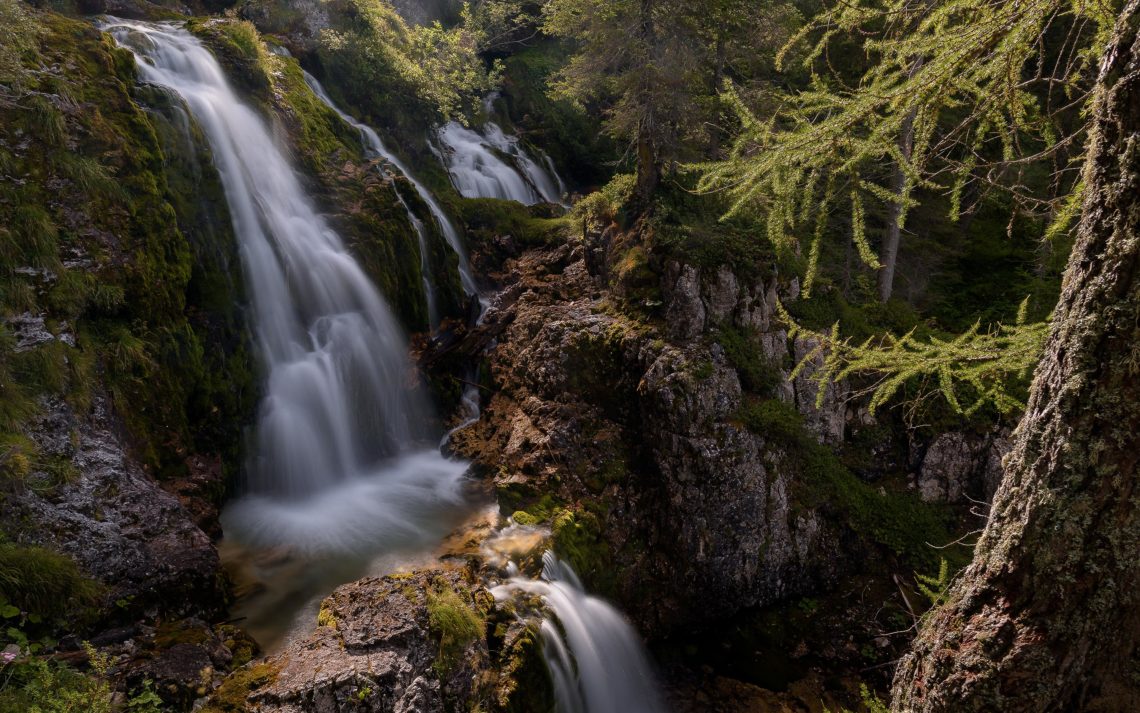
{"type": "Point", "coordinates": [374, 651]}
{"type": "Point", "coordinates": [685, 312]}
{"type": "Point", "coordinates": [958, 467]}
{"type": "Point", "coordinates": [828, 419]}
{"type": "Point", "coordinates": [113, 519]}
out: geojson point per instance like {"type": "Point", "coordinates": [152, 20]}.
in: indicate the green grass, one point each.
{"type": "Point", "coordinates": [42, 583]}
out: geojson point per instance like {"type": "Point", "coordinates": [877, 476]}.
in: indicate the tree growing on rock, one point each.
{"type": "Point", "coordinates": [1047, 617]}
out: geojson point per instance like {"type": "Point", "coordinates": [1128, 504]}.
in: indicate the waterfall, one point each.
{"type": "Point", "coordinates": [478, 172]}
{"type": "Point", "coordinates": [373, 143]}
{"type": "Point", "coordinates": [374, 148]}
{"type": "Point", "coordinates": [340, 462]}
{"type": "Point", "coordinates": [470, 396]}
{"type": "Point", "coordinates": [596, 661]}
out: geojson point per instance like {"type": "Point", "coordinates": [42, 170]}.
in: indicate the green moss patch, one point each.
{"type": "Point", "coordinates": [454, 621]}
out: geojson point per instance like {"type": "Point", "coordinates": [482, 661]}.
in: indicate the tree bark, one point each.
{"type": "Point", "coordinates": [891, 240]}
{"type": "Point", "coordinates": [1047, 617]}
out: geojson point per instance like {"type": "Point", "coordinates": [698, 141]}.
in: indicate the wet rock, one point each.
{"type": "Point", "coordinates": [113, 519]}
{"type": "Point", "coordinates": [377, 649]}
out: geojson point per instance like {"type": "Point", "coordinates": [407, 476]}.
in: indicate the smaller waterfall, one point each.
{"type": "Point", "coordinates": [596, 660]}
{"type": "Point", "coordinates": [537, 176]}
{"type": "Point", "coordinates": [478, 172]}
{"type": "Point", "coordinates": [373, 143]}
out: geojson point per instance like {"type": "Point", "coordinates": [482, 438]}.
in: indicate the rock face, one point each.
{"type": "Point", "coordinates": [592, 406]}
{"type": "Point", "coordinates": [379, 647]}
{"type": "Point", "coordinates": [959, 467]}
{"type": "Point", "coordinates": [112, 518]}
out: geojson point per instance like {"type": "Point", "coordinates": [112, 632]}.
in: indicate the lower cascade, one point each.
{"type": "Point", "coordinates": [596, 661]}
{"type": "Point", "coordinates": [341, 466]}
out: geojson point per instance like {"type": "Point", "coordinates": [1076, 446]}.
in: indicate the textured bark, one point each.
{"type": "Point", "coordinates": [1047, 617]}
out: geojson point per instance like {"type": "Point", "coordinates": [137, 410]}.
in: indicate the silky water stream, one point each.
{"type": "Point", "coordinates": [342, 470]}
{"type": "Point", "coordinates": [343, 478]}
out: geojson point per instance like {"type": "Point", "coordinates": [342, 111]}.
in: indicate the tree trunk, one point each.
{"type": "Point", "coordinates": [1047, 617]}
{"type": "Point", "coordinates": [648, 160]}
{"type": "Point", "coordinates": [890, 254]}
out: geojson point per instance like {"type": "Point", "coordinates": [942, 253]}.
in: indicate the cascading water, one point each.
{"type": "Point", "coordinates": [372, 141]}
{"type": "Point", "coordinates": [547, 186]}
{"type": "Point", "coordinates": [478, 172]}
{"type": "Point", "coordinates": [374, 144]}
{"type": "Point", "coordinates": [375, 147]}
{"type": "Point", "coordinates": [596, 661]}
{"type": "Point", "coordinates": [340, 468]}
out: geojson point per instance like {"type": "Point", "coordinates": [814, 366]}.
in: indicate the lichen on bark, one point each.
{"type": "Point", "coordinates": [1047, 617]}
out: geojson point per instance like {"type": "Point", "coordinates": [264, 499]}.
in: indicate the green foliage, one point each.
{"type": "Point", "coordinates": [773, 419]}
{"type": "Point", "coordinates": [653, 68]}
{"type": "Point", "coordinates": [604, 205]}
{"type": "Point", "coordinates": [984, 366]}
{"type": "Point", "coordinates": [935, 588]}
{"type": "Point", "coordinates": [35, 685]}
{"type": "Point", "coordinates": [756, 374]}
{"type": "Point", "coordinates": [485, 218]}
{"type": "Point", "coordinates": [424, 62]}
{"type": "Point", "coordinates": [454, 621]}
{"type": "Point", "coordinates": [18, 34]}
{"type": "Point", "coordinates": [953, 90]}
{"type": "Point", "coordinates": [42, 583]}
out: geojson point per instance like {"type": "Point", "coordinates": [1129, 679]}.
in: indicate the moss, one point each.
{"type": "Point", "coordinates": [757, 374]}
{"type": "Point", "coordinates": [524, 680]}
{"type": "Point", "coordinates": [90, 173]}
{"type": "Point", "coordinates": [180, 632]}
{"type": "Point", "coordinates": [326, 617]}
{"type": "Point", "coordinates": [238, 47]}
{"type": "Point", "coordinates": [454, 621]}
{"type": "Point", "coordinates": [533, 510]}
{"type": "Point", "coordinates": [231, 696]}
{"type": "Point", "coordinates": [522, 517]}
{"type": "Point", "coordinates": [578, 537]}
{"type": "Point", "coordinates": [487, 218]}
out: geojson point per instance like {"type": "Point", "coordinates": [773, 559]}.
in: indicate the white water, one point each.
{"type": "Point", "coordinates": [374, 148]}
{"type": "Point", "coordinates": [477, 172]}
{"type": "Point", "coordinates": [340, 463]}
{"type": "Point", "coordinates": [596, 661]}
{"type": "Point", "coordinates": [374, 144]}
{"type": "Point", "coordinates": [470, 397]}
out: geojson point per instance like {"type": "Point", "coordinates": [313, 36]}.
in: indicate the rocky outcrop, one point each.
{"type": "Point", "coordinates": [96, 505]}
{"type": "Point", "coordinates": [634, 429]}
{"type": "Point", "coordinates": [396, 644]}
{"type": "Point", "coordinates": [960, 467]}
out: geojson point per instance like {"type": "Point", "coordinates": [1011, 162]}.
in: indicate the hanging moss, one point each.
{"type": "Point", "coordinates": [105, 250]}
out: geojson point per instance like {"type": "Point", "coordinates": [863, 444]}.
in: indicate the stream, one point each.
{"type": "Point", "coordinates": [342, 476]}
